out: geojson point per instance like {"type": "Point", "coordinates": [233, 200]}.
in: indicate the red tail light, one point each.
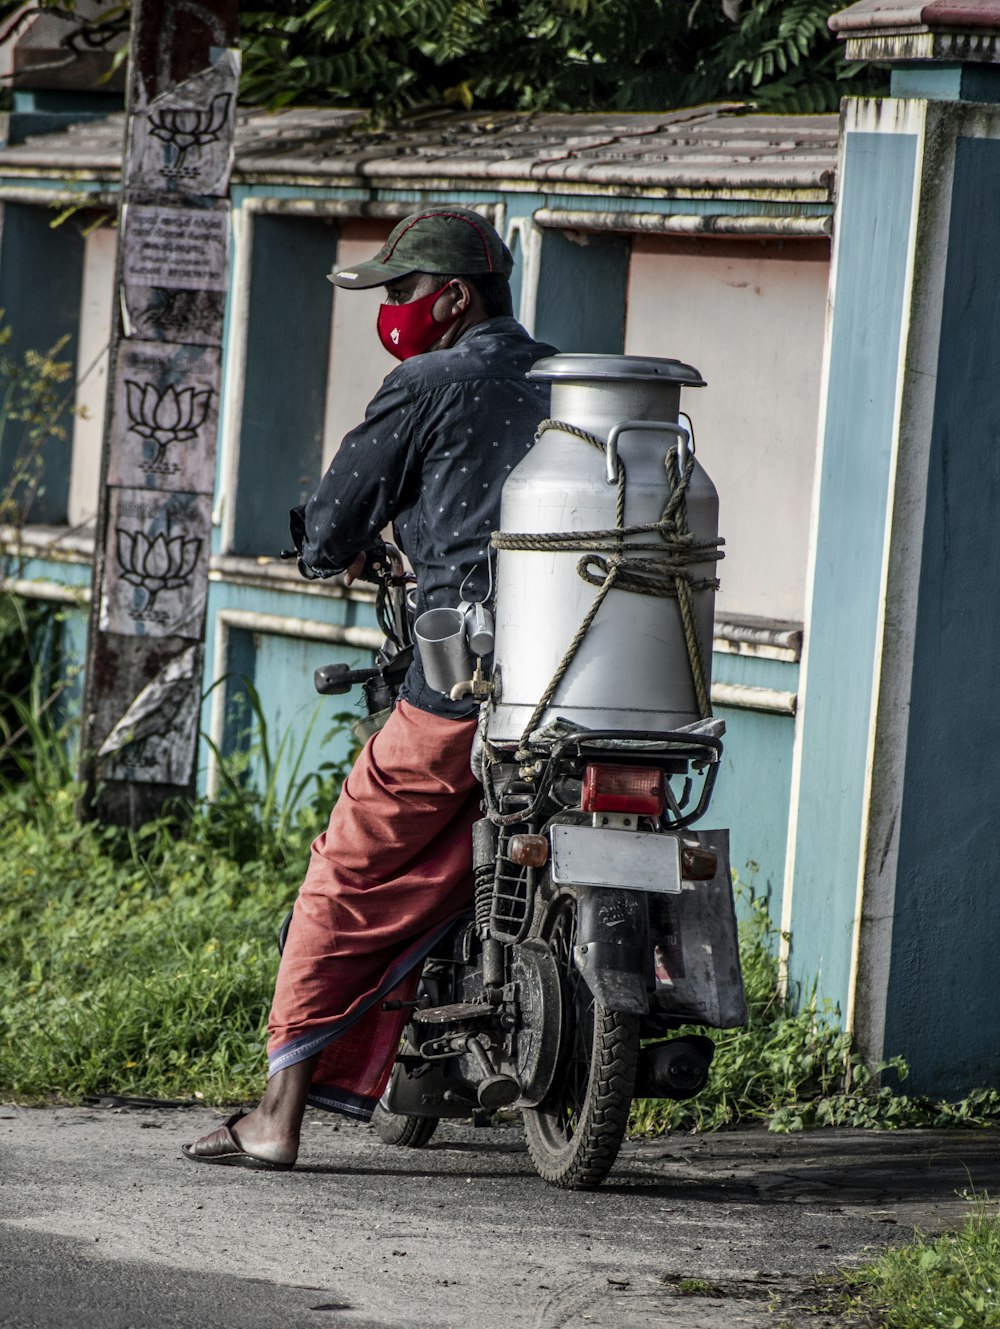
{"type": "Point", "coordinates": [636, 789]}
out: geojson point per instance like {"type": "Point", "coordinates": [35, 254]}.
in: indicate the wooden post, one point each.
{"type": "Point", "coordinates": [143, 682]}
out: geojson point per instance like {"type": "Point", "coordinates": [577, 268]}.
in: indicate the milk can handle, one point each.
{"type": "Point", "coordinates": [683, 436]}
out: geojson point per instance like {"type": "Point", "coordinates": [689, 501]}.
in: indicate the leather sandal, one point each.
{"type": "Point", "coordinates": [222, 1147]}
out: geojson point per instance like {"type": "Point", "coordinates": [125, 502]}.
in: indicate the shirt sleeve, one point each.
{"type": "Point", "coordinates": [376, 466]}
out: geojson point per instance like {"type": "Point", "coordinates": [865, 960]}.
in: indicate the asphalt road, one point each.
{"type": "Point", "coordinates": [103, 1224]}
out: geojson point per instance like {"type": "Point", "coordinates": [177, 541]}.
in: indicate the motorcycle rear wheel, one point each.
{"type": "Point", "coordinates": [575, 1133]}
{"type": "Point", "coordinates": [403, 1131]}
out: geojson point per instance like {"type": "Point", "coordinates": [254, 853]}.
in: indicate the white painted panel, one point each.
{"type": "Point", "coordinates": [358, 363]}
{"type": "Point", "coordinates": [92, 373]}
{"type": "Point", "coordinates": [750, 316]}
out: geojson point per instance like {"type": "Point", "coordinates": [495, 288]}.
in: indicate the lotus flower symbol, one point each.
{"type": "Point", "coordinates": [166, 417]}
{"type": "Point", "coordinates": [157, 564]}
{"type": "Point", "coordinates": [189, 127]}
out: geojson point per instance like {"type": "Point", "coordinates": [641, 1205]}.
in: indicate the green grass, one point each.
{"type": "Point", "coordinates": [141, 963]}
{"type": "Point", "coordinates": [946, 1282]}
{"type": "Point", "coordinates": [130, 969]}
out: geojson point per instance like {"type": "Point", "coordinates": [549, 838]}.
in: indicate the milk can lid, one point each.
{"type": "Point", "coordinates": [618, 368]}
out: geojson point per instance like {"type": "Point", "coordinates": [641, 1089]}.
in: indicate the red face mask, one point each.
{"type": "Point", "coordinates": [409, 329]}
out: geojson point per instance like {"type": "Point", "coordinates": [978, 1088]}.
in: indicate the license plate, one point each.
{"type": "Point", "coordinates": [628, 860]}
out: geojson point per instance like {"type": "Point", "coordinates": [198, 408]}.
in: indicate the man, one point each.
{"type": "Point", "coordinates": [393, 869]}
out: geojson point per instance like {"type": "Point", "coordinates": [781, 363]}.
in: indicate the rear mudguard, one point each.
{"type": "Point", "coordinates": [612, 950]}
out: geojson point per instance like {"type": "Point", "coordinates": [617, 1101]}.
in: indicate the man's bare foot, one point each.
{"type": "Point", "coordinates": [263, 1135]}
{"type": "Point", "coordinates": [269, 1135]}
{"type": "Point", "coordinates": [222, 1146]}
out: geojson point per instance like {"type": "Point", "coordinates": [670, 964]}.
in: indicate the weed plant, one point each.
{"type": "Point", "coordinates": [945, 1282]}
{"type": "Point", "coordinates": [36, 389]}
{"type": "Point", "coordinates": [141, 963]}
{"type": "Point", "coordinates": [147, 974]}
{"type": "Point", "coordinates": [267, 790]}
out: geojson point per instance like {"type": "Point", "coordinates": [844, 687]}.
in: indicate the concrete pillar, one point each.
{"type": "Point", "coordinates": [892, 865]}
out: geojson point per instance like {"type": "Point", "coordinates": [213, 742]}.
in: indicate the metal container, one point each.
{"type": "Point", "coordinates": [632, 670]}
{"type": "Point", "coordinates": [444, 649]}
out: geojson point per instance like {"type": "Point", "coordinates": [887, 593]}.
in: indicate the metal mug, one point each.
{"type": "Point", "coordinates": [478, 628]}
{"type": "Point", "coordinates": [443, 647]}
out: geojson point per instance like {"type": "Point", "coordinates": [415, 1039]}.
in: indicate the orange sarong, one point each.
{"type": "Point", "coordinates": [390, 874]}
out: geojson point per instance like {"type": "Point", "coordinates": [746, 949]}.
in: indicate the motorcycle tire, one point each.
{"type": "Point", "coordinates": [404, 1132]}
{"type": "Point", "coordinates": [575, 1133]}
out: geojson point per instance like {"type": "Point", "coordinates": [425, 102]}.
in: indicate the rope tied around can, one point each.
{"type": "Point", "coordinates": [609, 562]}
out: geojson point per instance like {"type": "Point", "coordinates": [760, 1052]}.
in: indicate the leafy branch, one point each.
{"type": "Point", "coordinates": [400, 57]}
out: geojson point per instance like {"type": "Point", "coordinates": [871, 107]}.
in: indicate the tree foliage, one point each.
{"type": "Point", "coordinates": [397, 57]}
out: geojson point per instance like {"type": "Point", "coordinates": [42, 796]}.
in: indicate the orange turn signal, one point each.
{"type": "Point", "coordinates": [698, 864]}
{"type": "Point", "coordinates": [529, 851]}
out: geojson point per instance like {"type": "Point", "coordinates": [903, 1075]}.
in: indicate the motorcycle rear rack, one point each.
{"type": "Point", "coordinates": [701, 751]}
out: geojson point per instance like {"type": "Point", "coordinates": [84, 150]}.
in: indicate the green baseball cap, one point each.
{"type": "Point", "coordinates": [456, 241]}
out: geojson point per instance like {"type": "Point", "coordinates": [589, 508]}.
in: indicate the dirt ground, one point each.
{"type": "Point", "coordinates": [103, 1223]}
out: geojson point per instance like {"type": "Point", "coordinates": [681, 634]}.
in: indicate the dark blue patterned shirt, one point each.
{"type": "Point", "coordinates": [438, 440]}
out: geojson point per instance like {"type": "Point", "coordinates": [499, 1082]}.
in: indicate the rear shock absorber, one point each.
{"type": "Point", "coordinates": [484, 851]}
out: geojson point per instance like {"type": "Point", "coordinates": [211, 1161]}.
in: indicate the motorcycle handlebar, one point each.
{"type": "Point", "coordinates": [333, 680]}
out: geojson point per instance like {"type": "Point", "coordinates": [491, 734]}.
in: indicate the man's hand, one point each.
{"type": "Point", "coordinates": [356, 569]}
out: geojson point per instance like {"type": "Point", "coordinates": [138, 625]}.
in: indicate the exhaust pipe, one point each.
{"type": "Point", "coordinates": [675, 1069]}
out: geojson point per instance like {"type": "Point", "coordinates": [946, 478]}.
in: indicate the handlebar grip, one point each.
{"type": "Point", "coordinates": [333, 680]}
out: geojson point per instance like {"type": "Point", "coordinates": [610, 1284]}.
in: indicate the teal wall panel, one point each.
{"type": "Point", "coordinates": [303, 733]}
{"type": "Point", "coordinates": [582, 290]}
{"type": "Point", "coordinates": [874, 222]}
{"type": "Point", "coordinates": [281, 670]}
{"type": "Point", "coordinates": [41, 282]}
{"type": "Point", "coordinates": [943, 998]}
{"type": "Point", "coordinates": [284, 398]}
{"type": "Point", "coordinates": [751, 798]}
{"type": "Point", "coordinates": [237, 736]}
{"type": "Point", "coordinates": [752, 792]}
{"type": "Point", "coordinates": [942, 82]}
{"type": "Point", "coordinates": [72, 656]}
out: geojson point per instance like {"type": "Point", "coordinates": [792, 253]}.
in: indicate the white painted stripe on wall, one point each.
{"type": "Point", "coordinates": [53, 591]}
{"type": "Point", "coordinates": [231, 415]}
{"type": "Point", "coordinates": [531, 252]}
{"type": "Point", "coordinates": [93, 348]}
{"type": "Point", "coordinates": [305, 629]}
{"type": "Point", "coordinates": [747, 698]}
{"type": "Point", "coordinates": [217, 710]}
{"type": "Point", "coordinates": [795, 785]}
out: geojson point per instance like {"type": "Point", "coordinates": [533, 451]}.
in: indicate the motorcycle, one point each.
{"type": "Point", "coordinates": [602, 930]}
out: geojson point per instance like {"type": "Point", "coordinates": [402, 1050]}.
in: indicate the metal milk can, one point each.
{"type": "Point", "coordinates": [632, 669]}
